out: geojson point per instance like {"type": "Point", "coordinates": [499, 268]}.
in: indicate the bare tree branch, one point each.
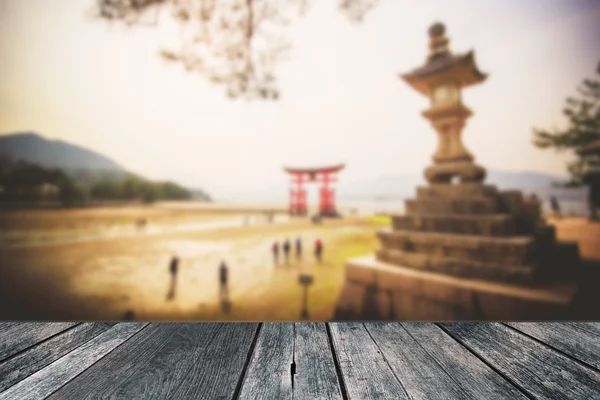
{"type": "Point", "coordinates": [235, 43]}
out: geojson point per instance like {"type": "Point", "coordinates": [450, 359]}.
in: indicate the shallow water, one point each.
{"type": "Point", "coordinates": [130, 230]}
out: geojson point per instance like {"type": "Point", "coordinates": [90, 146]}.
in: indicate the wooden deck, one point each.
{"type": "Point", "coordinates": [332, 360]}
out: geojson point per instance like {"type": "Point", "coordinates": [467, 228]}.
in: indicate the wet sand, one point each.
{"type": "Point", "coordinates": [102, 279]}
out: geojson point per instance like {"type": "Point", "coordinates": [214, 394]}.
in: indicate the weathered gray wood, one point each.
{"type": "Point", "coordinates": [217, 371]}
{"type": "Point", "coordinates": [591, 327]}
{"type": "Point", "coordinates": [568, 338]}
{"type": "Point", "coordinates": [37, 357]}
{"type": "Point", "coordinates": [534, 367]}
{"type": "Point", "coordinates": [420, 374]}
{"type": "Point", "coordinates": [47, 380]}
{"type": "Point", "coordinates": [365, 372]}
{"type": "Point", "coordinates": [17, 336]}
{"type": "Point", "coordinates": [268, 375]}
{"type": "Point", "coordinates": [477, 379]}
{"type": "Point", "coordinates": [316, 375]}
{"type": "Point", "coordinates": [175, 361]}
{"type": "Point", "coordinates": [119, 365]}
{"type": "Point", "coordinates": [168, 372]}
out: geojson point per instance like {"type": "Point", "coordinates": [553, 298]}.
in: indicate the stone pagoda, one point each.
{"type": "Point", "coordinates": [463, 249]}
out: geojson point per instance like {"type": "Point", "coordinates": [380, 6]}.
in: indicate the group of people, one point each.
{"type": "Point", "coordinates": [286, 249]}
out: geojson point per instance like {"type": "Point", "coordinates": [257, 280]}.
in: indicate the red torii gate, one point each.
{"type": "Point", "coordinates": [324, 175]}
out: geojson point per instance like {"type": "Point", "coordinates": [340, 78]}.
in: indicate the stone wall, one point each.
{"type": "Point", "coordinates": [378, 291]}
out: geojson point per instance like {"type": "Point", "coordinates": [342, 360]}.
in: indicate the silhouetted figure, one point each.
{"type": "Point", "coordinates": [286, 250]}
{"type": "Point", "coordinates": [299, 248]}
{"type": "Point", "coordinates": [319, 250]}
{"type": "Point", "coordinates": [141, 223]}
{"type": "Point", "coordinates": [173, 269]}
{"type": "Point", "coordinates": [129, 315]}
{"type": "Point", "coordinates": [223, 271]}
{"type": "Point", "coordinates": [555, 206]}
{"type": "Point", "coordinates": [275, 251]}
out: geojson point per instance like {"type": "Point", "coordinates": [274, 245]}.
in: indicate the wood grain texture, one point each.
{"type": "Point", "coordinates": [175, 368]}
{"type": "Point", "coordinates": [316, 375]}
{"type": "Point", "coordinates": [217, 371]}
{"type": "Point", "coordinates": [420, 374]}
{"type": "Point", "coordinates": [476, 379]}
{"type": "Point", "coordinates": [333, 361]}
{"type": "Point", "coordinates": [268, 375]}
{"type": "Point", "coordinates": [18, 336]}
{"type": "Point", "coordinates": [118, 366]}
{"type": "Point", "coordinates": [537, 369]}
{"type": "Point", "coordinates": [591, 327]}
{"type": "Point", "coordinates": [581, 344]}
{"type": "Point", "coordinates": [49, 379]}
{"type": "Point", "coordinates": [365, 372]}
{"type": "Point", "coordinates": [39, 356]}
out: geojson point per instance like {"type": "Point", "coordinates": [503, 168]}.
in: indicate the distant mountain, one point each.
{"type": "Point", "coordinates": [404, 185]}
{"type": "Point", "coordinates": [86, 167]}
{"type": "Point", "coordinates": [35, 149]}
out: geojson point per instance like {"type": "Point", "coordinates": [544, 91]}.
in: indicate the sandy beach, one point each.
{"type": "Point", "coordinates": [99, 275]}
{"type": "Point", "coordinates": [96, 264]}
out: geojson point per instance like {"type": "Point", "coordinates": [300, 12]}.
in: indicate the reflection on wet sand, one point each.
{"type": "Point", "coordinates": [224, 300]}
{"type": "Point", "coordinates": [127, 278]}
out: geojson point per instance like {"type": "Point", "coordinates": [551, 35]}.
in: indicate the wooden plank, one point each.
{"type": "Point", "coordinates": [217, 372]}
{"type": "Point", "coordinates": [568, 338]}
{"type": "Point", "coordinates": [536, 369]}
{"type": "Point", "coordinates": [476, 379]}
{"type": "Point", "coordinates": [170, 367]}
{"type": "Point", "coordinates": [17, 336]}
{"type": "Point", "coordinates": [49, 379]}
{"type": "Point", "coordinates": [118, 366]}
{"type": "Point", "coordinates": [365, 372]}
{"type": "Point", "coordinates": [316, 375]}
{"type": "Point", "coordinates": [420, 374]}
{"type": "Point", "coordinates": [268, 375]}
{"type": "Point", "coordinates": [219, 377]}
{"type": "Point", "coordinates": [175, 361]}
{"type": "Point", "coordinates": [37, 357]}
{"type": "Point", "coordinates": [591, 327]}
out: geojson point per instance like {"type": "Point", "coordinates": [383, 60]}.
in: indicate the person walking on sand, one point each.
{"type": "Point", "coordinates": [299, 248]}
{"type": "Point", "coordinates": [555, 206]}
{"type": "Point", "coordinates": [318, 250]}
{"type": "Point", "coordinates": [223, 270]}
{"type": "Point", "coordinates": [173, 269]}
{"type": "Point", "coordinates": [286, 250]}
{"type": "Point", "coordinates": [275, 251]}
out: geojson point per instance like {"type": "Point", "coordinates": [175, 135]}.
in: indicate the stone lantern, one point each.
{"type": "Point", "coordinates": [463, 250]}
{"type": "Point", "coordinates": [442, 78]}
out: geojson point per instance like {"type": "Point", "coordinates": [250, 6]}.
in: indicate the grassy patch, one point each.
{"type": "Point", "coordinates": [284, 301]}
{"type": "Point", "coordinates": [381, 220]}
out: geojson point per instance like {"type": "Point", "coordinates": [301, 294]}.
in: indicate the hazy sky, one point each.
{"type": "Point", "coordinates": [104, 87]}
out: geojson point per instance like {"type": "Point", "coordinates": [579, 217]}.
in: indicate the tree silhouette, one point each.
{"type": "Point", "coordinates": [583, 114]}
{"type": "Point", "coordinates": [234, 43]}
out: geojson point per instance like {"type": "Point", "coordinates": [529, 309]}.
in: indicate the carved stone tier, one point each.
{"type": "Point", "coordinates": [464, 251]}
{"type": "Point", "coordinates": [473, 230]}
{"type": "Point", "coordinates": [445, 172]}
{"type": "Point", "coordinates": [483, 224]}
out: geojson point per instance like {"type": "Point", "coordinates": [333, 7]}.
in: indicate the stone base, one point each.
{"type": "Point", "coordinates": [374, 290]}
{"type": "Point", "coordinates": [466, 171]}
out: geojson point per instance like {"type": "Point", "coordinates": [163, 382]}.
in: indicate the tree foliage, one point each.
{"type": "Point", "coordinates": [23, 183]}
{"type": "Point", "coordinates": [234, 43]}
{"type": "Point", "coordinates": [583, 115]}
